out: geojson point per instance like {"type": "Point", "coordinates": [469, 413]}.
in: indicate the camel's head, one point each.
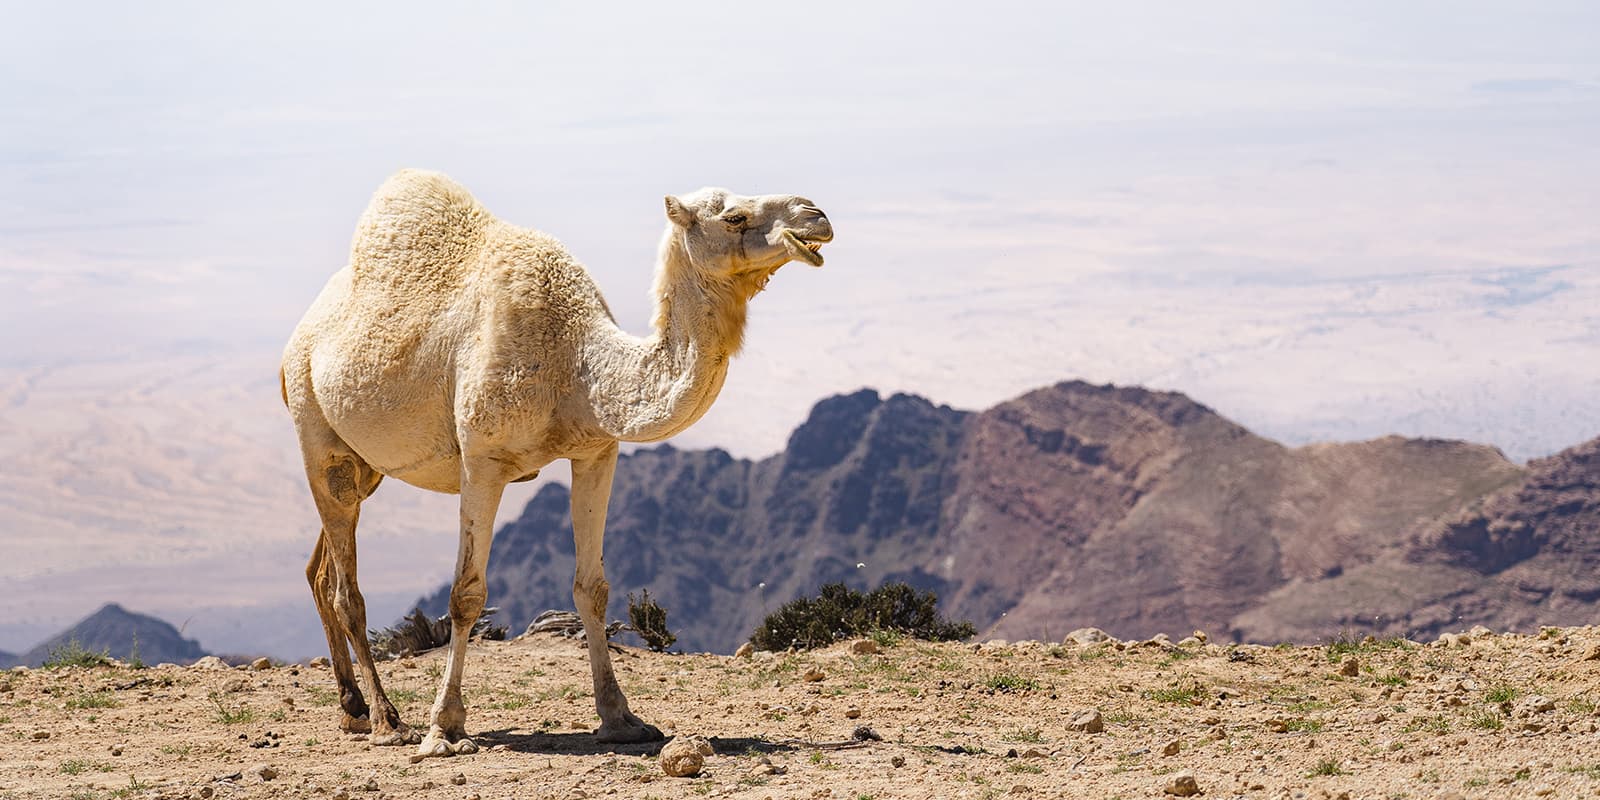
{"type": "Point", "coordinates": [731, 235]}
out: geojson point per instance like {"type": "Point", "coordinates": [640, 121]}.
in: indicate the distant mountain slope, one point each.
{"type": "Point", "coordinates": [1128, 509]}
{"type": "Point", "coordinates": [1523, 556]}
{"type": "Point", "coordinates": [7, 659]}
{"type": "Point", "coordinates": [122, 634]}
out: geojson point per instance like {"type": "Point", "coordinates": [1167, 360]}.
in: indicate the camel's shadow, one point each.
{"type": "Point", "coordinates": [585, 744]}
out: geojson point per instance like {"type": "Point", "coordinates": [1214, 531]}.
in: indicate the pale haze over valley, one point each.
{"type": "Point", "coordinates": [1328, 222]}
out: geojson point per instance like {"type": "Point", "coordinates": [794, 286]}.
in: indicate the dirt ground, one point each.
{"type": "Point", "coordinates": [1490, 716]}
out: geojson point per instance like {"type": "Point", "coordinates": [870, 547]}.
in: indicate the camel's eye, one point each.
{"type": "Point", "coordinates": [734, 219]}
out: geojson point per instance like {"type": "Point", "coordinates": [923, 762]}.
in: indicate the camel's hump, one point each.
{"type": "Point", "coordinates": [419, 225]}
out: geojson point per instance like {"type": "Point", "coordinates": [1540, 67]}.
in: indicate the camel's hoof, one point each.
{"type": "Point", "coordinates": [350, 724]}
{"type": "Point", "coordinates": [398, 736]}
{"type": "Point", "coordinates": [438, 744]}
{"type": "Point", "coordinates": [629, 731]}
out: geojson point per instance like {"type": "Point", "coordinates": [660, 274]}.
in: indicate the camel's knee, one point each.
{"type": "Point", "coordinates": [591, 595]}
{"type": "Point", "coordinates": [342, 479]}
{"type": "Point", "coordinates": [466, 604]}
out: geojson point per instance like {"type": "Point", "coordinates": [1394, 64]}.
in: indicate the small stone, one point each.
{"type": "Point", "coordinates": [852, 713]}
{"type": "Point", "coordinates": [1182, 784]}
{"type": "Point", "coordinates": [812, 675]}
{"type": "Point", "coordinates": [341, 794]}
{"type": "Point", "coordinates": [1189, 641]}
{"type": "Point", "coordinates": [745, 650]}
{"type": "Point", "coordinates": [1021, 788]}
{"type": "Point", "coordinates": [371, 785]}
{"type": "Point", "coordinates": [210, 662]}
{"type": "Point", "coordinates": [319, 661]}
{"type": "Point", "coordinates": [1278, 725]}
{"type": "Point", "coordinates": [1170, 748]}
{"type": "Point", "coordinates": [1201, 635]}
{"type": "Point", "coordinates": [865, 647]}
{"type": "Point", "coordinates": [1593, 654]}
{"type": "Point", "coordinates": [116, 749]}
{"type": "Point", "coordinates": [1087, 720]}
{"type": "Point", "coordinates": [265, 772]}
{"type": "Point", "coordinates": [40, 736]}
{"type": "Point", "coordinates": [1349, 667]}
{"type": "Point", "coordinates": [1537, 704]}
{"type": "Point", "coordinates": [682, 758]}
{"type": "Point", "coordinates": [1084, 636]}
{"type": "Point", "coordinates": [1034, 752]}
{"type": "Point", "coordinates": [261, 664]}
{"type": "Point", "coordinates": [459, 779]}
{"type": "Point", "coordinates": [206, 792]}
{"type": "Point", "coordinates": [897, 761]}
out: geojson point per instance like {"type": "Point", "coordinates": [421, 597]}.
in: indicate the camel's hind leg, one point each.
{"type": "Point", "coordinates": [340, 480]}
{"type": "Point", "coordinates": [321, 575]}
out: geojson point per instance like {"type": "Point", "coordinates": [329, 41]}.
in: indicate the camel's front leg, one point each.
{"type": "Point", "coordinates": [591, 491]}
{"type": "Point", "coordinates": [480, 499]}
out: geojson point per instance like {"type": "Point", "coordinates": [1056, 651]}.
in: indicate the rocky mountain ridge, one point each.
{"type": "Point", "coordinates": [121, 634]}
{"type": "Point", "coordinates": [1119, 507]}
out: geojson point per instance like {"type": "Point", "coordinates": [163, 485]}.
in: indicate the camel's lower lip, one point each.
{"type": "Point", "coordinates": [810, 252]}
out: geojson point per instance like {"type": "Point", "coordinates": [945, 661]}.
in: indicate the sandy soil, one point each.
{"type": "Point", "coordinates": [1494, 716]}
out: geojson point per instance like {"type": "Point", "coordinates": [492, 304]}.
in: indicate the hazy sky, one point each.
{"type": "Point", "coordinates": [1325, 220]}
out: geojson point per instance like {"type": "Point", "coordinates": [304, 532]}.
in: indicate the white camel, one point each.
{"type": "Point", "coordinates": [460, 353]}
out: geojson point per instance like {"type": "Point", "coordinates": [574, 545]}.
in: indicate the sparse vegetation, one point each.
{"type": "Point", "coordinates": [1327, 767]}
{"type": "Point", "coordinates": [839, 612]}
{"type": "Point", "coordinates": [649, 621]}
{"type": "Point", "coordinates": [74, 654]}
{"type": "Point", "coordinates": [1006, 682]}
{"type": "Point", "coordinates": [93, 700]}
{"type": "Point", "coordinates": [231, 714]}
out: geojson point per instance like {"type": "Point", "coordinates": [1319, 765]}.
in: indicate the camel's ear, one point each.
{"type": "Point", "coordinates": [678, 212]}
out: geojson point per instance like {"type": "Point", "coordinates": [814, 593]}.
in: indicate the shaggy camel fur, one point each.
{"type": "Point", "coordinates": [459, 353]}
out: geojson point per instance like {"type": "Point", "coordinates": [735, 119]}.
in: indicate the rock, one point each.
{"type": "Point", "coordinates": [1453, 640]}
{"type": "Point", "coordinates": [865, 647]}
{"type": "Point", "coordinates": [370, 786]}
{"type": "Point", "coordinates": [1034, 752]}
{"type": "Point", "coordinates": [341, 794]}
{"type": "Point", "coordinates": [211, 662]}
{"type": "Point", "coordinates": [1278, 725]}
{"type": "Point", "coordinates": [116, 749]}
{"type": "Point", "coordinates": [1182, 784]}
{"type": "Point", "coordinates": [1201, 635]}
{"type": "Point", "coordinates": [1189, 641]}
{"type": "Point", "coordinates": [683, 757]}
{"type": "Point", "coordinates": [1087, 721]}
{"type": "Point", "coordinates": [261, 664]}
{"type": "Point", "coordinates": [745, 650]}
{"type": "Point", "coordinates": [265, 772]}
{"type": "Point", "coordinates": [1593, 654]}
{"type": "Point", "coordinates": [897, 761]}
{"type": "Point", "coordinates": [1349, 667]}
{"type": "Point", "coordinates": [1536, 704]}
{"type": "Point", "coordinates": [206, 792]}
{"type": "Point", "coordinates": [319, 661]}
{"type": "Point", "coordinates": [1170, 748]}
{"type": "Point", "coordinates": [40, 736]}
{"type": "Point", "coordinates": [766, 767]}
{"type": "Point", "coordinates": [812, 675]}
{"type": "Point", "coordinates": [852, 713]}
{"type": "Point", "coordinates": [459, 779]}
{"type": "Point", "coordinates": [1480, 632]}
{"type": "Point", "coordinates": [1086, 636]}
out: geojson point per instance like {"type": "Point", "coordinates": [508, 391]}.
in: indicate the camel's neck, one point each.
{"type": "Point", "coordinates": [646, 390]}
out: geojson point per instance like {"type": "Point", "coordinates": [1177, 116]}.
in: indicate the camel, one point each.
{"type": "Point", "coordinates": [459, 353]}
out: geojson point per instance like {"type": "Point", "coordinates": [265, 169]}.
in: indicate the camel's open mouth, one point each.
{"type": "Point", "coordinates": [807, 251]}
